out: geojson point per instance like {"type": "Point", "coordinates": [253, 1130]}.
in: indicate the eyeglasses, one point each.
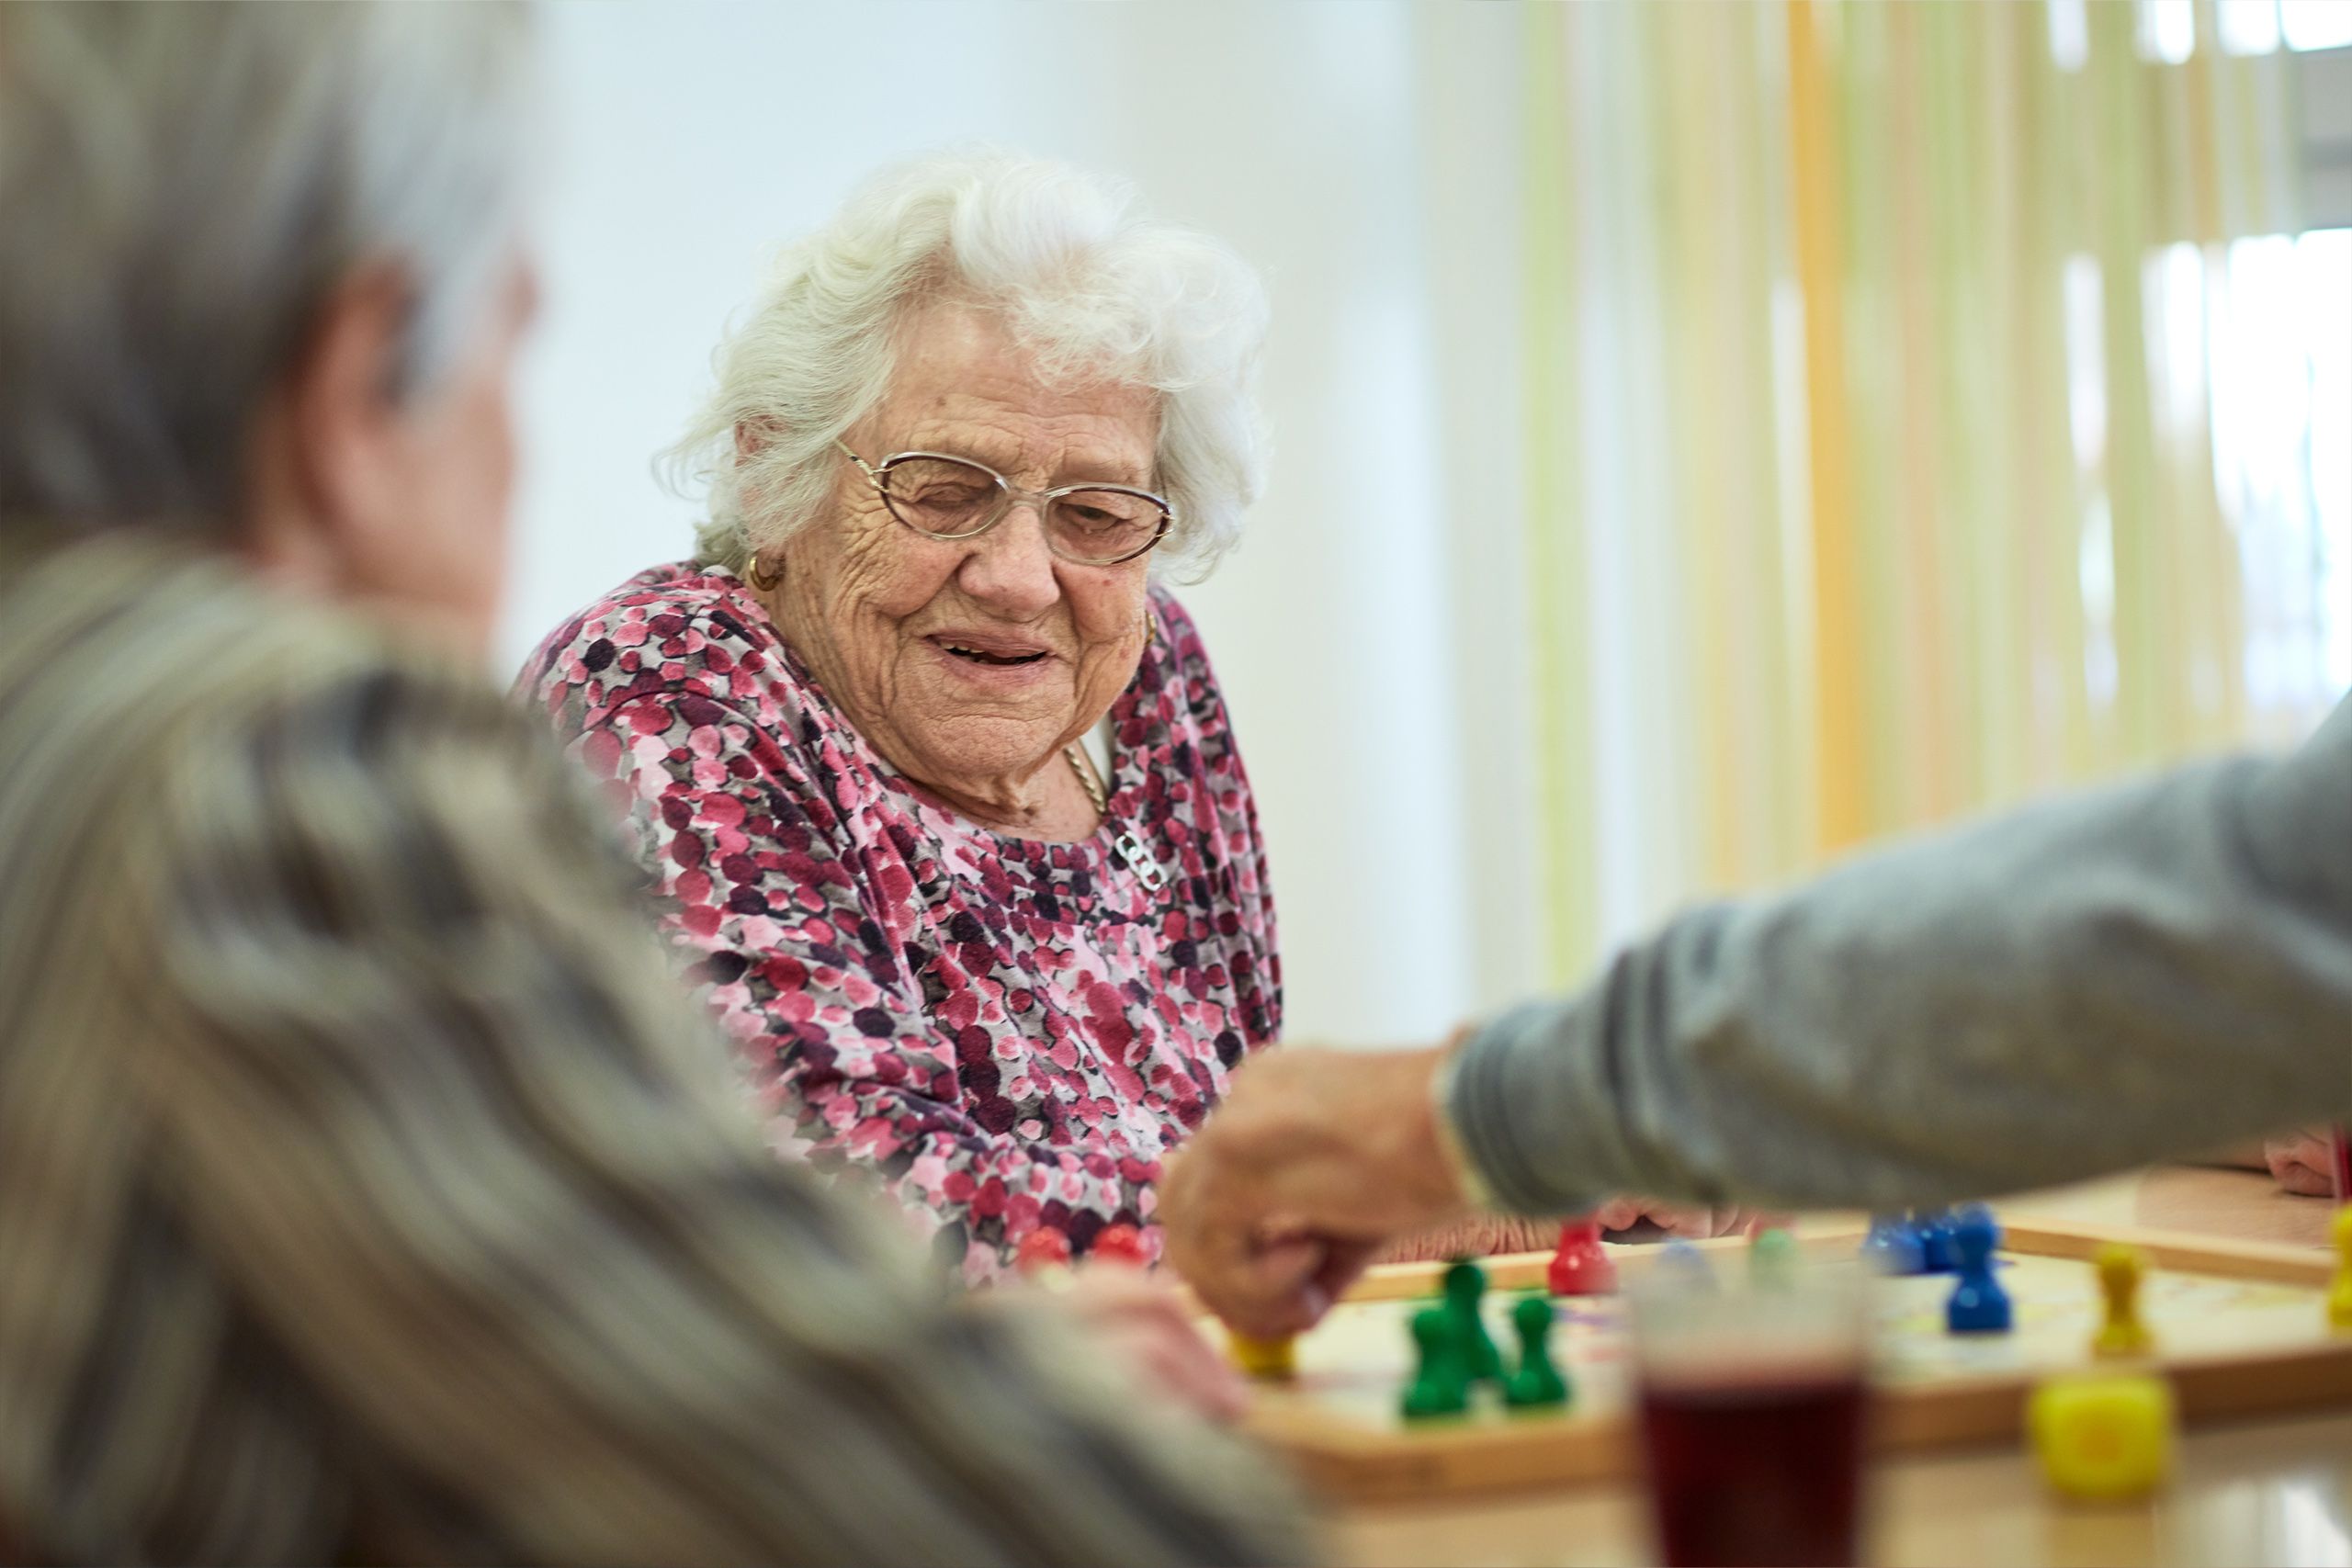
{"type": "Point", "coordinates": [954, 498]}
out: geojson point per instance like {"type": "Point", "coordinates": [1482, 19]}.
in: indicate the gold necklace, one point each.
{"type": "Point", "coordinates": [1129, 848]}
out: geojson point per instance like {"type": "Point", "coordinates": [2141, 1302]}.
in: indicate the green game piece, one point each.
{"type": "Point", "coordinates": [1537, 1381]}
{"type": "Point", "coordinates": [1465, 1284]}
{"type": "Point", "coordinates": [1772, 1259]}
{"type": "Point", "coordinates": [1438, 1387]}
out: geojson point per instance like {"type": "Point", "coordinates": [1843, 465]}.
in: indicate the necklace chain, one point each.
{"type": "Point", "coordinates": [1123, 841]}
{"type": "Point", "coordinates": [1083, 766]}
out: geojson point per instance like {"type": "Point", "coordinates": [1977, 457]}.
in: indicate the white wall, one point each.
{"type": "Point", "coordinates": [1361, 630]}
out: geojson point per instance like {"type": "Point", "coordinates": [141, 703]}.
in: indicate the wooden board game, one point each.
{"type": "Point", "coordinates": [2241, 1327]}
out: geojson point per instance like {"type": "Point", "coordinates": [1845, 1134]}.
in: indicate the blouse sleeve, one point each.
{"type": "Point", "coordinates": [810, 956]}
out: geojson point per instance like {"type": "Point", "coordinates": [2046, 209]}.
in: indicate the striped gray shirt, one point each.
{"type": "Point", "coordinates": [366, 1188]}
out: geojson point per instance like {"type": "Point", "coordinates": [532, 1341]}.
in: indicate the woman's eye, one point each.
{"type": "Point", "coordinates": [946, 495]}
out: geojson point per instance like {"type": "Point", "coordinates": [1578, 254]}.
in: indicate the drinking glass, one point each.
{"type": "Point", "coordinates": [1754, 1402]}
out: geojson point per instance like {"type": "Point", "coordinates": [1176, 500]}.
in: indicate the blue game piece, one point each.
{"type": "Point", "coordinates": [1934, 1232]}
{"type": "Point", "coordinates": [1892, 1246]}
{"type": "Point", "coordinates": [1978, 1304]}
{"type": "Point", "coordinates": [1684, 1267]}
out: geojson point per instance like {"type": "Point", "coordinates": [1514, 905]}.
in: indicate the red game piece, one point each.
{"type": "Point", "coordinates": [1119, 1243]}
{"type": "Point", "coordinates": [1580, 1268]}
{"type": "Point", "coordinates": [1042, 1249]}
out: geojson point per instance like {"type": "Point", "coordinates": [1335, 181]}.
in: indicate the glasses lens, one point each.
{"type": "Point", "coordinates": [1104, 524]}
{"type": "Point", "coordinates": [940, 495]}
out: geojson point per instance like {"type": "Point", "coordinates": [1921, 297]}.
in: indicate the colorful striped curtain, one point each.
{"type": "Point", "coordinates": [1874, 475]}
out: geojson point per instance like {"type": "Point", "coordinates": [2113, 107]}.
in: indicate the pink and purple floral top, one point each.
{"type": "Point", "coordinates": [1008, 1034]}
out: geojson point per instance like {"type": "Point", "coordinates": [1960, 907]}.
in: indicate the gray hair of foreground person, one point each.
{"type": "Point", "coordinates": [1090, 286]}
{"type": "Point", "coordinates": [185, 183]}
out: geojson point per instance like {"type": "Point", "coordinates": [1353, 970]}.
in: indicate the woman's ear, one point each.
{"type": "Point", "coordinates": [753, 436]}
{"type": "Point", "coordinates": [327, 458]}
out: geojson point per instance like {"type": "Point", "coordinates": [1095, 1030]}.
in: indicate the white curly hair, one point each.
{"type": "Point", "coordinates": [1090, 286]}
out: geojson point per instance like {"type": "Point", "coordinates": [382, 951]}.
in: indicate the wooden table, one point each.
{"type": "Point", "coordinates": [2274, 1492]}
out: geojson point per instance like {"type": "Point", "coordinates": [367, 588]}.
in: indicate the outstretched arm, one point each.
{"type": "Point", "coordinates": [2132, 973]}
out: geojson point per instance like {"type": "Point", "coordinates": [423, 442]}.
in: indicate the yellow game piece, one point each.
{"type": "Point", "coordinates": [2339, 1294]}
{"type": "Point", "coordinates": [2119, 1271]}
{"type": "Point", "coordinates": [1270, 1360]}
{"type": "Point", "coordinates": [2103, 1436]}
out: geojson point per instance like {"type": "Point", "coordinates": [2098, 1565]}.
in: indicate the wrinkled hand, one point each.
{"type": "Point", "coordinates": [1682, 1220]}
{"type": "Point", "coordinates": [1144, 1323]}
{"type": "Point", "coordinates": [1315, 1160]}
{"type": "Point", "coordinates": [2303, 1162]}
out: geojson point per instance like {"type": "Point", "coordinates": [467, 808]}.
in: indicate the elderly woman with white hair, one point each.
{"type": "Point", "coordinates": [938, 787]}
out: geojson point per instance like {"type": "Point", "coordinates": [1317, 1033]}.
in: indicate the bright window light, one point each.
{"type": "Point", "coordinates": [2280, 341]}
{"type": "Point", "coordinates": [2168, 31]}
{"type": "Point", "coordinates": [2249, 27]}
{"type": "Point", "coordinates": [2070, 34]}
{"type": "Point", "coordinates": [2324, 284]}
{"type": "Point", "coordinates": [2316, 24]}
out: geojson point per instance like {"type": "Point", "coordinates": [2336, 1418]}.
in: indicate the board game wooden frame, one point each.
{"type": "Point", "coordinates": [1345, 1461]}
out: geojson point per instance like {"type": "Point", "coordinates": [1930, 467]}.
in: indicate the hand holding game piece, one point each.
{"type": "Point", "coordinates": [1978, 1304]}
{"type": "Point", "coordinates": [1535, 1381]}
{"type": "Point", "coordinates": [1440, 1386]}
{"type": "Point", "coordinates": [1044, 1247]}
{"type": "Point", "coordinates": [2103, 1436]}
{"type": "Point", "coordinates": [1316, 1160]}
{"type": "Point", "coordinates": [1580, 1268]}
{"type": "Point", "coordinates": [2119, 1271]}
{"type": "Point", "coordinates": [1120, 1244]}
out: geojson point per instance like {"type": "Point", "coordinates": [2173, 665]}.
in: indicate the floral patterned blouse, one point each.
{"type": "Point", "coordinates": [1008, 1034]}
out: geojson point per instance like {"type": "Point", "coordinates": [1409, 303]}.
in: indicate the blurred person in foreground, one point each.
{"type": "Point", "coordinates": [367, 1191]}
{"type": "Point", "coordinates": [2129, 974]}
{"type": "Point", "coordinates": [928, 767]}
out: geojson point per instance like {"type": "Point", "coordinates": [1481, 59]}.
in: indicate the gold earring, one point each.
{"type": "Point", "coordinates": [764, 581]}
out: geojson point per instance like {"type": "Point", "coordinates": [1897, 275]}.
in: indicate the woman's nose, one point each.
{"type": "Point", "coordinates": [1010, 568]}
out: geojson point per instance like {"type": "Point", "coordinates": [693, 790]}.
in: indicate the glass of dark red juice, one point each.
{"type": "Point", "coordinates": [1754, 1399]}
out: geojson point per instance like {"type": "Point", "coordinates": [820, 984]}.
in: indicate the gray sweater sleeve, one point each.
{"type": "Point", "coordinates": [2138, 971]}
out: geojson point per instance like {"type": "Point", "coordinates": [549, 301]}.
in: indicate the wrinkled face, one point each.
{"type": "Point", "coordinates": [973, 661]}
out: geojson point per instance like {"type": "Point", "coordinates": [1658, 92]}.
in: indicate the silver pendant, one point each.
{"type": "Point", "coordinates": [1139, 860]}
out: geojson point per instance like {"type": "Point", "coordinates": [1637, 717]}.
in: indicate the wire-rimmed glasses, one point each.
{"type": "Point", "coordinates": [943, 497]}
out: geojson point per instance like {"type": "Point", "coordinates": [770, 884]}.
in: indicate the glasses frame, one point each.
{"type": "Point", "coordinates": [1008, 496]}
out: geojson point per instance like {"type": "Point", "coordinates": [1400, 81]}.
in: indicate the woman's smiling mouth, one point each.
{"type": "Point", "coordinates": [991, 651]}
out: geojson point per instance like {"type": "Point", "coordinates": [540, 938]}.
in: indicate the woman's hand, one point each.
{"type": "Point", "coordinates": [1315, 1161]}
{"type": "Point", "coordinates": [1681, 1220]}
{"type": "Point", "coordinates": [1146, 1324]}
{"type": "Point", "coordinates": [2303, 1162]}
